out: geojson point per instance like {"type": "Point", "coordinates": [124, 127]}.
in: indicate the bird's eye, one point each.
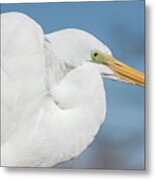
{"type": "Point", "coordinates": [95, 54]}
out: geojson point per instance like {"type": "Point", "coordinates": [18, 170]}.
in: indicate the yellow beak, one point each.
{"type": "Point", "coordinates": [120, 69]}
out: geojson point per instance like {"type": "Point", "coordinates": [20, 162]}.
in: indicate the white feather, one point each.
{"type": "Point", "coordinates": [53, 100]}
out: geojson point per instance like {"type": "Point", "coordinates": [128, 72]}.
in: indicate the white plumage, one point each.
{"type": "Point", "coordinates": [53, 99]}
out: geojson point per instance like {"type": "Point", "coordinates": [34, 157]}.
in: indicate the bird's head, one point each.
{"type": "Point", "coordinates": [120, 71]}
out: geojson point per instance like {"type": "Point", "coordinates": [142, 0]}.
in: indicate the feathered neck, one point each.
{"type": "Point", "coordinates": [56, 69]}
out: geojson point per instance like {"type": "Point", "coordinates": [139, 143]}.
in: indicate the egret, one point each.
{"type": "Point", "coordinates": [53, 98]}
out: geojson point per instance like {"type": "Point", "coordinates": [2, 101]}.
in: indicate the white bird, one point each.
{"type": "Point", "coordinates": [53, 98]}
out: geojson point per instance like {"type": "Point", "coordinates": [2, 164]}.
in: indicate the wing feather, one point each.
{"type": "Point", "coordinates": [22, 66]}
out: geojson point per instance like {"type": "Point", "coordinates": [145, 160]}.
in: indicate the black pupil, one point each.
{"type": "Point", "coordinates": [95, 54]}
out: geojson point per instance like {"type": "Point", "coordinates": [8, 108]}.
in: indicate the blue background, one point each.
{"type": "Point", "coordinates": [120, 141]}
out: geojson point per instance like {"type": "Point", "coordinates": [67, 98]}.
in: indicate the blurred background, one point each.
{"type": "Point", "coordinates": [120, 25]}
